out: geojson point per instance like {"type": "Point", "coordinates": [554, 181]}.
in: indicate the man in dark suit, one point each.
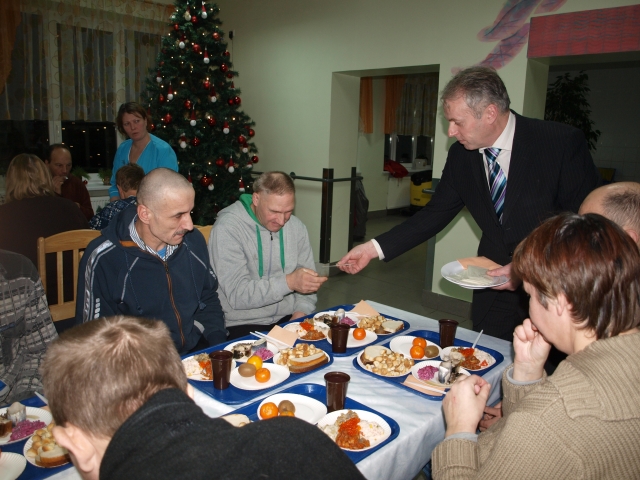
{"type": "Point", "coordinates": [511, 172]}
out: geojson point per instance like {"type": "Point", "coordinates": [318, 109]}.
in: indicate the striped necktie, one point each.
{"type": "Point", "coordinates": [497, 180]}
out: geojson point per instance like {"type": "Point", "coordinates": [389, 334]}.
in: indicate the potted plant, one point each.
{"type": "Point", "coordinates": [567, 103]}
{"type": "Point", "coordinates": [105, 175]}
{"type": "Point", "coordinates": [81, 173]}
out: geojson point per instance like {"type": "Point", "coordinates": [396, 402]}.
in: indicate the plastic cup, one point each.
{"type": "Point", "coordinates": [322, 269]}
{"type": "Point", "coordinates": [337, 383]}
{"type": "Point", "coordinates": [221, 361]}
{"type": "Point", "coordinates": [339, 337]}
{"type": "Point", "coordinates": [447, 332]}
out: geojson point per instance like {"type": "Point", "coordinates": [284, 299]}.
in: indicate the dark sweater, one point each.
{"type": "Point", "coordinates": [75, 190]}
{"type": "Point", "coordinates": [170, 437]}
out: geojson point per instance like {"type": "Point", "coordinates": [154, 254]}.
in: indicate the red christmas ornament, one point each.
{"type": "Point", "coordinates": [241, 185]}
{"type": "Point", "coordinates": [229, 75]}
{"type": "Point", "coordinates": [183, 41]}
{"type": "Point", "coordinates": [176, 26]}
{"type": "Point", "coordinates": [206, 56]}
{"type": "Point", "coordinates": [232, 87]}
{"type": "Point", "coordinates": [216, 36]}
{"type": "Point", "coordinates": [161, 98]}
{"type": "Point", "coordinates": [194, 19]}
{"type": "Point", "coordinates": [159, 77]}
{"type": "Point", "coordinates": [195, 141]}
{"type": "Point", "coordinates": [224, 68]}
{"type": "Point", "coordinates": [189, 178]}
{"type": "Point", "coordinates": [183, 141]}
{"type": "Point", "coordinates": [206, 180]}
{"type": "Point", "coordinates": [167, 118]}
{"type": "Point", "coordinates": [226, 53]}
{"type": "Point", "coordinates": [196, 48]}
{"type": "Point", "coordinates": [170, 93]}
{"type": "Point", "coordinates": [203, 14]}
{"type": "Point", "coordinates": [251, 132]}
{"type": "Point", "coordinates": [245, 148]}
{"type": "Point", "coordinates": [211, 120]}
{"type": "Point", "coordinates": [219, 162]}
{"type": "Point", "coordinates": [225, 127]}
{"type": "Point", "coordinates": [193, 119]}
{"type": "Point", "coordinates": [230, 101]}
{"type": "Point", "coordinates": [187, 104]}
{"type": "Point", "coordinates": [231, 166]}
{"type": "Point", "coordinates": [255, 159]}
{"type": "Point", "coordinates": [241, 139]}
{"type": "Point", "coordinates": [206, 84]}
{"type": "Point", "coordinates": [162, 63]}
{"type": "Point", "coordinates": [152, 127]}
{"type": "Point", "coordinates": [237, 100]}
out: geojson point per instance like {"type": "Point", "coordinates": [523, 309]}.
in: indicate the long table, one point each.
{"type": "Point", "coordinates": [421, 420]}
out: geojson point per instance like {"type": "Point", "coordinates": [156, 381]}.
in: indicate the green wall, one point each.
{"type": "Point", "coordinates": [300, 62]}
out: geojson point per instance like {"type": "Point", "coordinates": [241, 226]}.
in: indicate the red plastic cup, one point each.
{"type": "Point", "coordinates": [447, 332]}
{"type": "Point", "coordinates": [221, 361]}
{"type": "Point", "coordinates": [337, 383]}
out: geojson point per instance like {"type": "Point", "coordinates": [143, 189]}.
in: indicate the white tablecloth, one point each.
{"type": "Point", "coordinates": [421, 421]}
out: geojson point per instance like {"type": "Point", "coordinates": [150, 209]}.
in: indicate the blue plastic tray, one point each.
{"type": "Point", "coordinates": [319, 392]}
{"type": "Point", "coordinates": [326, 346]}
{"type": "Point", "coordinates": [235, 396]}
{"type": "Point", "coordinates": [32, 472]}
{"type": "Point", "coordinates": [435, 338]}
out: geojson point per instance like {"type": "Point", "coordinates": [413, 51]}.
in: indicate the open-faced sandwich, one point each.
{"type": "Point", "coordinates": [302, 358]}
{"type": "Point", "coordinates": [44, 449]}
{"type": "Point", "coordinates": [380, 325]}
{"type": "Point", "coordinates": [382, 361]}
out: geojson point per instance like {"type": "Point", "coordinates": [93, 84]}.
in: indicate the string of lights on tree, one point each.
{"type": "Point", "coordinates": [194, 106]}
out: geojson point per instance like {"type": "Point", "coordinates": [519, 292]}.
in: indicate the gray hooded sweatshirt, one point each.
{"type": "Point", "coordinates": [247, 297]}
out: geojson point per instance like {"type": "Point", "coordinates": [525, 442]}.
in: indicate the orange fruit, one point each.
{"type": "Point", "coordinates": [420, 342]}
{"type": "Point", "coordinates": [255, 361]}
{"type": "Point", "coordinates": [359, 333]}
{"type": "Point", "coordinates": [416, 351]}
{"type": "Point", "coordinates": [268, 410]}
{"type": "Point", "coordinates": [263, 375]}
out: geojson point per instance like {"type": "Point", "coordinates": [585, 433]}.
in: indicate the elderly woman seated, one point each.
{"type": "Point", "coordinates": [581, 273]}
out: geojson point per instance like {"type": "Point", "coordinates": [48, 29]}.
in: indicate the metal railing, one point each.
{"type": "Point", "coordinates": [327, 207]}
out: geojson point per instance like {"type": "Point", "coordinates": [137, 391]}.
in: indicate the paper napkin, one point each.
{"type": "Point", "coordinates": [363, 308]}
{"type": "Point", "coordinates": [483, 262]}
{"type": "Point", "coordinates": [285, 336]}
{"type": "Point", "coordinates": [413, 382]}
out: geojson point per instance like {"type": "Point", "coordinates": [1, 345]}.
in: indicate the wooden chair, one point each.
{"type": "Point", "coordinates": [205, 230]}
{"type": "Point", "coordinates": [75, 241]}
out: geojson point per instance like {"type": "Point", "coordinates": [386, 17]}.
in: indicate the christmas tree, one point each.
{"type": "Point", "coordinates": [195, 107]}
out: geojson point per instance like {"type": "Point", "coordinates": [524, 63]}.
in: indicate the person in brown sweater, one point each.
{"type": "Point", "coordinates": [581, 272]}
{"type": "Point", "coordinates": [64, 183]}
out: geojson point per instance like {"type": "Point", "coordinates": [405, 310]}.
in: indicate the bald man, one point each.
{"type": "Point", "coordinates": [150, 263]}
{"type": "Point", "coordinates": [620, 203]}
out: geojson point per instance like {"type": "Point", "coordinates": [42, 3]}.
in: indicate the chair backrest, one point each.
{"type": "Point", "coordinates": [206, 230]}
{"type": "Point", "coordinates": [75, 241]}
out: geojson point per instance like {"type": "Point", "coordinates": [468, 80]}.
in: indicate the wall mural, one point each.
{"type": "Point", "coordinates": [511, 30]}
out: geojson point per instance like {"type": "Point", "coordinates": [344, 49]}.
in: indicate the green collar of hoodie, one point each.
{"type": "Point", "coordinates": [246, 201]}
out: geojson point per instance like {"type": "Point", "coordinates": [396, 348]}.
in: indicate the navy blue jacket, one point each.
{"type": "Point", "coordinates": [116, 277]}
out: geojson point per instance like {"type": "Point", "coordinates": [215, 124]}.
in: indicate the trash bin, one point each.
{"type": "Point", "coordinates": [420, 181]}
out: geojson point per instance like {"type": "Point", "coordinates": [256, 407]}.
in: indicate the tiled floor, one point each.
{"type": "Point", "coordinates": [398, 283]}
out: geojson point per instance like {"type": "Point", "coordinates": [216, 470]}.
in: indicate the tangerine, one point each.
{"type": "Point", "coordinates": [256, 361]}
{"type": "Point", "coordinates": [268, 410]}
{"type": "Point", "coordinates": [420, 342]}
{"type": "Point", "coordinates": [416, 351]}
{"type": "Point", "coordinates": [263, 375]}
{"type": "Point", "coordinates": [359, 333]}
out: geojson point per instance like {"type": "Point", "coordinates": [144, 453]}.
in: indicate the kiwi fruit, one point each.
{"type": "Point", "coordinates": [286, 406]}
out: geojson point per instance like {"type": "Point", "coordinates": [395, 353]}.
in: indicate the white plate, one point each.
{"type": "Point", "coordinates": [295, 327]}
{"type": "Point", "coordinates": [331, 418]}
{"type": "Point", "coordinates": [434, 381]}
{"type": "Point", "coordinates": [453, 268]}
{"type": "Point", "coordinates": [333, 312]}
{"type": "Point", "coordinates": [375, 373]}
{"type": "Point", "coordinates": [270, 346]}
{"type": "Point", "coordinates": [33, 414]}
{"type": "Point", "coordinates": [370, 337]}
{"type": "Point", "coordinates": [278, 375]}
{"type": "Point", "coordinates": [490, 359]}
{"type": "Point", "coordinates": [198, 377]}
{"type": "Point", "coordinates": [277, 357]}
{"type": "Point", "coordinates": [31, 460]}
{"type": "Point", "coordinates": [307, 408]}
{"type": "Point", "coordinates": [403, 345]}
{"type": "Point", "coordinates": [11, 465]}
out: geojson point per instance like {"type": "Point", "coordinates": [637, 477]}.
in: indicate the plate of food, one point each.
{"type": "Point", "coordinates": [406, 343]}
{"type": "Point", "coordinates": [198, 367]}
{"type": "Point", "coordinates": [42, 450]}
{"type": "Point", "coordinates": [427, 372]}
{"type": "Point", "coordinates": [473, 278]}
{"type": "Point", "coordinates": [11, 465]}
{"type": "Point", "coordinates": [18, 422]}
{"type": "Point", "coordinates": [358, 338]}
{"type": "Point", "coordinates": [302, 358]}
{"type": "Point", "coordinates": [341, 426]}
{"type": "Point", "coordinates": [243, 349]}
{"type": "Point", "coordinates": [382, 361]}
{"type": "Point", "coordinates": [309, 330]}
{"type": "Point", "coordinates": [473, 359]}
{"type": "Point", "coordinates": [291, 404]}
{"type": "Point", "coordinates": [329, 316]}
{"type": "Point", "coordinates": [277, 374]}
{"type": "Point", "coordinates": [380, 325]}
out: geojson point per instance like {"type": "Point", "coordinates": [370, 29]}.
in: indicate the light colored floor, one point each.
{"type": "Point", "coordinates": [398, 283]}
